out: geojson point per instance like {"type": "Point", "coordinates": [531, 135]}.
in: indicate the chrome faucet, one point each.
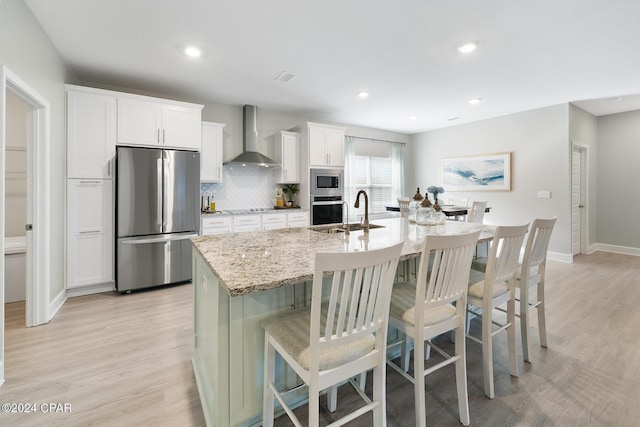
{"type": "Point", "coordinates": [345, 224]}
{"type": "Point", "coordinates": [366, 208]}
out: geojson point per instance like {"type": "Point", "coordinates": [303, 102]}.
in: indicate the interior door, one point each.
{"type": "Point", "coordinates": [579, 196]}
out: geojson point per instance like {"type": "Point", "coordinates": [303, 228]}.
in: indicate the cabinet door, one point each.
{"type": "Point", "coordinates": [334, 142]}
{"type": "Point", "coordinates": [91, 135]}
{"type": "Point", "coordinates": [139, 122]}
{"type": "Point", "coordinates": [211, 152]}
{"type": "Point", "coordinates": [181, 127]}
{"type": "Point", "coordinates": [90, 234]}
{"type": "Point", "coordinates": [290, 158]}
{"type": "Point", "coordinates": [317, 147]}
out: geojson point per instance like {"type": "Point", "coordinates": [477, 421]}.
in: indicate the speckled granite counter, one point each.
{"type": "Point", "coordinates": [256, 261]}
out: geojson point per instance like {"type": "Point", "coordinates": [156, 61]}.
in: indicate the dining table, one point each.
{"type": "Point", "coordinates": [451, 211]}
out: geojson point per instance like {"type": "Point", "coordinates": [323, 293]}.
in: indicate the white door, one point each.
{"type": "Point", "coordinates": [579, 235]}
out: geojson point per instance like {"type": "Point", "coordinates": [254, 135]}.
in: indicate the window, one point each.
{"type": "Point", "coordinates": [377, 168]}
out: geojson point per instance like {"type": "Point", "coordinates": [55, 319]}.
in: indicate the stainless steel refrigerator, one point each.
{"type": "Point", "coordinates": [158, 211]}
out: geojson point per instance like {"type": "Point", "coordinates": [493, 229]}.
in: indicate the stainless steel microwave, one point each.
{"type": "Point", "coordinates": [326, 182]}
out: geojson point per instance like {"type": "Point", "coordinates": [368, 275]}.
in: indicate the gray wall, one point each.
{"type": "Point", "coordinates": [540, 146]}
{"type": "Point", "coordinates": [618, 175]}
{"type": "Point", "coordinates": [27, 51]}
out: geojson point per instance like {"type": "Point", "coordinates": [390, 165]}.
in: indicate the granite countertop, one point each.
{"type": "Point", "coordinates": [262, 260]}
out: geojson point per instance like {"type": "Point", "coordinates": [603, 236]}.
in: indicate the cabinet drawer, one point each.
{"type": "Point", "coordinates": [274, 219]}
{"type": "Point", "coordinates": [216, 221]}
{"type": "Point", "coordinates": [245, 220]}
{"type": "Point", "coordinates": [297, 216]}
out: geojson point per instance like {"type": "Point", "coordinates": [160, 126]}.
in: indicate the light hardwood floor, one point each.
{"type": "Point", "coordinates": [126, 361]}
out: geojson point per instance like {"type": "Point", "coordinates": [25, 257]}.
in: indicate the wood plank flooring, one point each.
{"type": "Point", "coordinates": [125, 360]}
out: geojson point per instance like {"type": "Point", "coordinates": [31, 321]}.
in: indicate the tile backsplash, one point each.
{"type": "Point", "coordinates": [243, 187]}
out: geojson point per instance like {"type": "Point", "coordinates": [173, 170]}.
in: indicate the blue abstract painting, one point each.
{"type": "Point", "coordinates": [476, 173]}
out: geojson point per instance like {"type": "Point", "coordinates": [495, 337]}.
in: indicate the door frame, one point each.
{"type": "Point", "coordinates": [583, 150]}
{"type": "Point", "coordinates": [38, 197]}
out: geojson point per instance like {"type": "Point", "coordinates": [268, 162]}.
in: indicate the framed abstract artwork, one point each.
{"type": "Point", "coordinates": [485, 172]}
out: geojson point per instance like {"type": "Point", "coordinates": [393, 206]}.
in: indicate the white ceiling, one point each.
{"type": "Point", "coordinates": [531, 54]}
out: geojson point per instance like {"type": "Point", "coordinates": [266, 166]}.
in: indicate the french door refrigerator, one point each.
{"type": "Point", "coordinates": [157, 203]}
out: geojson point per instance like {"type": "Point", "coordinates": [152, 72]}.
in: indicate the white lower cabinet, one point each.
{"type": "Point", "coordinates": [297, 219]}
{"type": "Point", "coordinates": [273, 221]}
{"type": "Point", "coordinates": [89, 232]}
{"type": "Point", "coordinates": [210, 225]}
{"type": "Point", "coordinates": [246, 223]}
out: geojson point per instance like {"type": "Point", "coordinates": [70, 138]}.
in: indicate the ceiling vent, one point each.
{"type": "Point", "coordinates": [285, 77]}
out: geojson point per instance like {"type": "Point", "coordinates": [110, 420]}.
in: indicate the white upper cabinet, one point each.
{"type": "Point", "coordinates": [211, 152]}
{"type": "Point", "coordinates": [91, 133]}
{"type": "Point", "coordinates": [288, 154]}
{"type": "Point", "coordinates": [326, 145]}
{"type": "Point", "coordinates": [152, 122]}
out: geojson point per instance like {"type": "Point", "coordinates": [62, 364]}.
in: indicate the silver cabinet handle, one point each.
{"type": "Point", "coordinates": [89, 232]}
{"type": "Point", "coordinates": [219, 177]}
{"type": "Point", "coordinates": [163, 138]}
{"type": "Point", "coordinates": [89, 182]}
{"type": "Point", "coordinates": [158, 136]}
{"type": "Point", "coordinates": [108, 168]}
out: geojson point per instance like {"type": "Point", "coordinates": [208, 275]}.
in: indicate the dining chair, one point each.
{"type": "Point", "coordinates": [476, 212]}
{"type": "Point", "coordinates": [403, 203]}
{"type": "Point", "coordinates": [492, 288]}
{"type": "Point", "coordinates": [458, 202]}
{"type": "Point", "coordinates": [338, 337]}
{"type": "Point", "coordinates": [432, 305]}
{"type": "Point", "coordinates": [531, 274]}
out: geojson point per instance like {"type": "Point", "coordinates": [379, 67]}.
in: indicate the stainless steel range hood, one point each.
{"type": "Point", "coordinates": [250, 154]}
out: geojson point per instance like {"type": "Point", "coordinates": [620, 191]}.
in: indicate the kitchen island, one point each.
{"type": "Point", "coordinates": [240, 279]}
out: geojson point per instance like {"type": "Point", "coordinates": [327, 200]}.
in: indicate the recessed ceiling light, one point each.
{"type": "Point", "coordinates": [363, 94]}
{"type": "Point", "coordinates": [617, 98]}
{"type": "Point", "coordinates": [193, 52]}
{"type": "Point", "coordinates": [475, 101]}
{"type": "Point", "coordinates": [468, 47]}
{"type": "Point", "coordinates": [413, 117]}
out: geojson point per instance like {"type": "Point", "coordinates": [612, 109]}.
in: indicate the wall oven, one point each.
{"type": "Point", "coordinates": [326, 196]}
{"type": "Point", "coordinates": [326, 210]}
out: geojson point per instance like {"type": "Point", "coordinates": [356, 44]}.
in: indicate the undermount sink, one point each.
{"type": "Point", "coordinates": [341, 228]}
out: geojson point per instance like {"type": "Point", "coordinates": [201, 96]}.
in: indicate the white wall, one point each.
{"type": "Point", "coordinates": [618, 178]}
{"type": "Point", "coordinates": [27, 51]}
{"type": "Point", "coordinates": [16, 166]}
{"type": "Point", "coordinates": [540, 146]}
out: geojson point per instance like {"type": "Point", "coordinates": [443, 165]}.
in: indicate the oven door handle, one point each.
{"type": "Point", "coordinates": [325, 203]}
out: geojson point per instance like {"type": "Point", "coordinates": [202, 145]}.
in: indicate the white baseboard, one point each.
{"type": "Point", "coordinates": [626, 250]}
{"type": "Point", "coordinates": [55, 305]}
{"type": "Point", "coordinates": [558, 256]}
{"type": "Point", "coordinates": [92, 289]}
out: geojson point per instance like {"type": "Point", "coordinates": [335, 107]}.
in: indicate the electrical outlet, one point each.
{"type": "Point", "coordinates": [544, 194]}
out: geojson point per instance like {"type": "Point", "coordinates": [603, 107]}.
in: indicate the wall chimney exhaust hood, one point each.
{"type": "Point", "coordinates": [250, 154]}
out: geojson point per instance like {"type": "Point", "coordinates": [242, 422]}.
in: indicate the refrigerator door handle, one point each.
{"type": "Point", "coordinates": [159, 170]}
{"type": "Point", "coordinates": [165, 189]}
{"type": "Point", "coordinates": [146, 240]}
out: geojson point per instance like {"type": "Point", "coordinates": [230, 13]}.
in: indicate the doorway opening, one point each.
{"type": "Point", "coordinates": [36, 156]}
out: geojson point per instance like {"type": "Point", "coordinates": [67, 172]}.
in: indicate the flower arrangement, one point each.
{"type": "Point", "coordinates": [435, 191]}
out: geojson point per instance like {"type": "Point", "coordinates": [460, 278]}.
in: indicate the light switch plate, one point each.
{"type": "Point", "coordinates": [544, 194]}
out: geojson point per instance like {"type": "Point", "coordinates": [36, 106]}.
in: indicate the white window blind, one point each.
{"type": "Point", "coordinates": [380, 176]}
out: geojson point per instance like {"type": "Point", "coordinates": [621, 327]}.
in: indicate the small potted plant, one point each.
{"type": "Point", "coordinates": [435, 191]}
{"type": "Point", "coordinates": [291, 191]}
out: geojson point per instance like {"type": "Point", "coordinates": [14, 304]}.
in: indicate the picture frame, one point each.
{"type": "Point", "coordinates": [483, 172]}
